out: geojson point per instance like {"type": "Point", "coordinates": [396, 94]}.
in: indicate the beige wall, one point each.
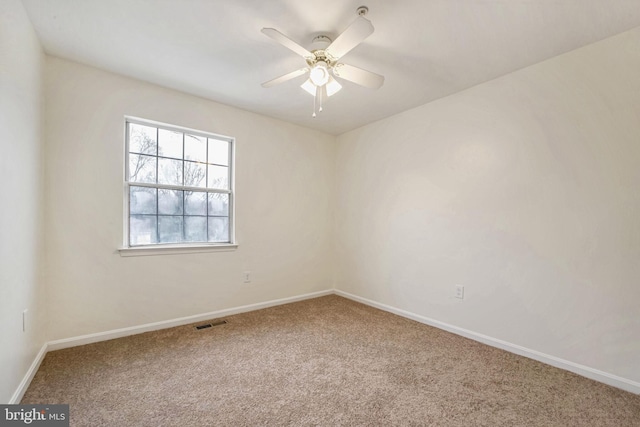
{"type": "Point", "coordinates": [284, 178]}
{"type": "Point", "coordinates": [525, 190]}
{"type": "Point", "coordinates": [20, 196]}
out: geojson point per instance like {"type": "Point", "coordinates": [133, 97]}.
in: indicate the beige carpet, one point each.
{"type": "Point", "coordinates": [326, 362]}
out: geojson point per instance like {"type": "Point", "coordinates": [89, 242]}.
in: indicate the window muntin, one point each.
{"type": "Point", "coordinates": [178, 185]}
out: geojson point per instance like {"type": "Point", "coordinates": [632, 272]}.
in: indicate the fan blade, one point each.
{"type": "Point", "coordinates": [359, 30]}
{"type": "Point", "coordinates": [287, 42]}
{"type": "Point", "coordinates": [358, 75]}
{"type": "Point", "coordinates": [286, 77]}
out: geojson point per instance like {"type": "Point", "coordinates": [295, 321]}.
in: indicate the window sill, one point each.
{"type": "Point", "coordinates": [175, 249]}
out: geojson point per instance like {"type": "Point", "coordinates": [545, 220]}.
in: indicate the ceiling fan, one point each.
{"type": "Point", "coordinates": [323, 62]}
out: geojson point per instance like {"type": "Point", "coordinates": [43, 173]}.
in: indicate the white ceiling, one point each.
{"type": "Point", "coordinates": [426, 49]}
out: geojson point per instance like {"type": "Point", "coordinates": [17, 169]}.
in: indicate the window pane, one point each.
{"type": "Point", "coordinates": [142, 200]}
{"type": "Point", "coordinates": [218, 152]}
{"type": "Point", "coordinates": [218, 177]}
{"type": "Point", "coordinates": [218, 204]}
{"type": "Point", "coordinates": [142, 139]}
{"type": "Point", "coordinates": [195, 228]}
{"type": "Point", "coordinates": [169, 171]}
{"type": "Point", "coordinates": [195, 174]}
{"type": "Point", "coordinates": [170, 229]}
{"type": "Point", "coordinates": [180, 162]}
{"type": "Point", "coordinates": [169, 202]}
{"type": "Point", "coordinates": [169, 144]}
{"type": "Point", "coordinates": [195, 203]}
{"type": "Point", "coordinates": [142, 168]}
{"type": "Point", "coordinates": [218, 229]}
{"type": "Point", "coordinates": [195, 148]}
{"type": "Point", "coordinates": [142, 229]}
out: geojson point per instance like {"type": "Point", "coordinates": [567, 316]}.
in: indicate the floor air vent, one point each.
{"type": "Point", "coordinates": [209, 325]}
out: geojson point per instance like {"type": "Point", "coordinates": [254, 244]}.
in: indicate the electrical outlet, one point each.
{"type": "Point", "coordinates": [24, 320]}
{"type": "Point", "coordinates": [247, 276]}
{"type": "Point", "coordinates": [460, 291]}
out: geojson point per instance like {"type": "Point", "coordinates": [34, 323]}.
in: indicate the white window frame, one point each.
{"type": "Point", "coordinates": [176, 248]}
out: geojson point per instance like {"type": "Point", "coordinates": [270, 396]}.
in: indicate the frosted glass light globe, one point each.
{"type": "Point", "coordinates": [319, 74]}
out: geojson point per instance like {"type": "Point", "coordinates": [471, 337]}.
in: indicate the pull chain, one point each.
{"type": "Point", "coordinates": [314, 105]}
{"type": "Point", "coordinates": [317, 101]}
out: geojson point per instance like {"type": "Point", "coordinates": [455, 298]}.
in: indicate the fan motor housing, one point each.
{"type": "Point", "coordinates": [322, 42]}
{"type": "Point", "coordinates": [321, 55]}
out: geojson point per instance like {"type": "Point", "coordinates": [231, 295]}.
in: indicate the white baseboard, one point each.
{"type": "Point", "coordinates": [133, 330]}
{"type": "Point", "coordinates": [24, 384]}
{"type": "Point", "coordinates": [585, 371]}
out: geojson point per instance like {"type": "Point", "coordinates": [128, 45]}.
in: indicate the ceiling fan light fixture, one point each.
{"type": "Point", "coordinates": [322, 61]}
{"type": "Point", "coordinates": [319, 74]}
{"type": "Point", "coordinates": [332, 87]}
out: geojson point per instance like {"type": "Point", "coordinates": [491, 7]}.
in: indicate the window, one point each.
{"type": "Point", "coordinates": [178, 186]}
